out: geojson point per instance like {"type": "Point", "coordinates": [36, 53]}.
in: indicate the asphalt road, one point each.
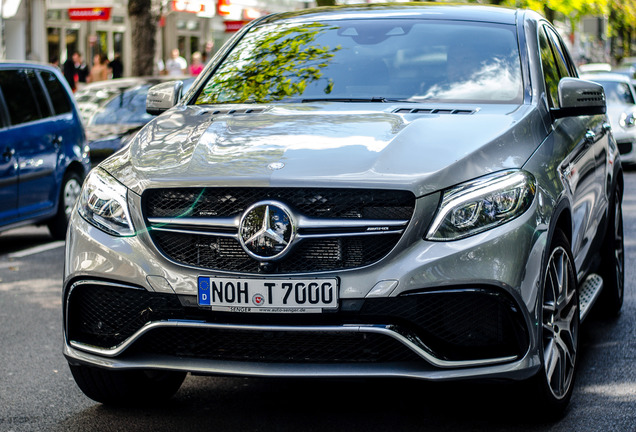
{"type": "Point", "coordinates": [37, 392]}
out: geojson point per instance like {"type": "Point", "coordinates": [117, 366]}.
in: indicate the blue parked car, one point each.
{"type": "Point", "coordinates": [43, 152]}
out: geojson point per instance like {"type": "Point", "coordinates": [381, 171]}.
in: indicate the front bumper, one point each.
{"type": "Point", "coordinates": [461, 309]}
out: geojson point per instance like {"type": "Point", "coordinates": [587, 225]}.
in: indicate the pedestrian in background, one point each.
{"type": "Point", "coordinates": [176, 65]}
{"type": "Point", "coordinates": [75, 70]}
{"type": "Point", "coordinates": [99, 71]}
{"type": "Point", "coordinates": [116, 67]}
{"type": "Point", "coordinates": [197, 64]}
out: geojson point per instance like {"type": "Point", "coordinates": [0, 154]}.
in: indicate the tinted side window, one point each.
{"type": "Point", "coordinates": [559, 53]}
{"type": "Point", "coordinates": [38, 92]}
{"type": "Point", "coordinates": [550, 70]}
{"type": "Point", "coordinates": [18, 97]}
{"type": "Point", "coordinates": [59, 97]}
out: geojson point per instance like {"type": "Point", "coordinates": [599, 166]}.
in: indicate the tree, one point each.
{"type": "Point", "coordinates": [272, 66]}
{"type": "Point", "coordinates": [143, 32]}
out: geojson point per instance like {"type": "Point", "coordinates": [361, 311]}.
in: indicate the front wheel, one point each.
{"type": "Point", "coordinates": [126, 388]}
{"type": "Point", "coordinates": [559, 330]}
{"type": "Point", "coordinates": [69, 193]}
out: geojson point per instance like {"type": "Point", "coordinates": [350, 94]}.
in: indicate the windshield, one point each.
{"type": "Point", "coordinates": [370, 60]}
{"type": "Point", "coordinates": [617, 92]}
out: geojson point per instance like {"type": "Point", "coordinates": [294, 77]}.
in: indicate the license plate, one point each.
{"type": "Point", "coordinates": [268, 295]}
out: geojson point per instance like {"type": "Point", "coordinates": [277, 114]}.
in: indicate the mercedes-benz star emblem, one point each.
{"type": "Point", "coordinates": [266, 230]}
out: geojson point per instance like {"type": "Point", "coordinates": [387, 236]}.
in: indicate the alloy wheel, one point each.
{"type": "Point", "coordinates": [72, 190]}
{"type": "Point", "coordinates": [619, 249]}
{"type": "Point", "coordinates": [560, 323]}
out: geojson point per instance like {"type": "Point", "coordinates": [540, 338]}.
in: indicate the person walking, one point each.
{"type": "Point", "coordinates": [197, 64]}
{"type": "Point", "coordinates": [176, 65]}
{"type": "Point", "coordinates": [116, 67]}
{"type": "Point", "coordinates": [99, 71]}
{"type": "Point", "coordinates": [75, 70]}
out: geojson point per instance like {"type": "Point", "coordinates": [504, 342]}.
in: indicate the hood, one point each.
{"type": "Point", "coordinates": [329, 144]}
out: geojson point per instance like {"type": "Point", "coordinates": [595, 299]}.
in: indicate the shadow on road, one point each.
{"type": "Point", "coordinates": [23, 238]}
{"type": "Point", "coordinates": [215, 404]}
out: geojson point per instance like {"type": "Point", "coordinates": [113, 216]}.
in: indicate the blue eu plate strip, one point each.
{"type": "Point", "coordinates": [204, 291]}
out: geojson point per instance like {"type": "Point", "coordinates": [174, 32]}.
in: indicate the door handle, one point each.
{"type": "Point", "coordinates": [57, 141]}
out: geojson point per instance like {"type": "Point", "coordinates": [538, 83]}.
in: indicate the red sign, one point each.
{"type": "Point", "coordinates": [233, 26]}
{"type": "Point", "coordinates": [89, 14]}
{"type": "Point", "coordinates": [224, 8]}
{"type": "Point", "coordinates": [192, 6]}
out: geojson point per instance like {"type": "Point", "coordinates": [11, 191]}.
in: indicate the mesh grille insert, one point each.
{"type": "Point", "coordinates": [453, 324]}
{"type": "Point", "coordinates": [311, 202]}
{"type": "Point", "coordinates": [322, 252]}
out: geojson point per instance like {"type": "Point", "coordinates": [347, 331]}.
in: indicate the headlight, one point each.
{"type": "Point", "coordinates": [103, 204]}
{"type": "Point", "coordinates": [482, 204]}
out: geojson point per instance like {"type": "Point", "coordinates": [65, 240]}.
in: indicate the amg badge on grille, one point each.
{"type": "Point", "coordinates": [267, 230]}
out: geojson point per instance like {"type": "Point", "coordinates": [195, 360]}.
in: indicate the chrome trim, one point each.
{"type": "Point", "coordinates": [298, 236]}
{"type": "Point", "coordinates": [309, 223]}
{"type": "Point", "coordinates": [205, 233]}
{"type": "Point", "coordinates": [411, 342]}
{"type": "Point", "coordinates": [303, 222]}
{"type": "Point", "coordinates": [347, 234]}
{"type": "Point", "coordinates": [220, 222]}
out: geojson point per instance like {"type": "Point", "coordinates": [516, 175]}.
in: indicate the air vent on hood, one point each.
{"type": "Point", "coordinates": [434, 111]}
{"type": "Point", "coordinates": [234, 111]}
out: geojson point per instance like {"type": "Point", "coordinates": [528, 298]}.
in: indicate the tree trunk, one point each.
{"type": "Point", "coordinates": [143, 32]}
{"type": "Point", "coordinates": [549, 13]}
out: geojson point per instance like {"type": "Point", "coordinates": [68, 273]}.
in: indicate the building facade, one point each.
{"type": "Point", "coordinates": [51, 30]}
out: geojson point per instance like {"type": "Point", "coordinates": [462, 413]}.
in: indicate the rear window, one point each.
{"type": "Point", "coordinates": [393, 59]}
{"type": "Point", "coordinates": [617, 92]}
{"type": "Point", "coordinates": [59, 96]}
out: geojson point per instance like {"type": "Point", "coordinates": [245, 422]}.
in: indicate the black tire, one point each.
{"type": "Point", "coordinates": [127, 388]}
{"type": "Point", "coordinates": [551, 388]}
{"type": "Point", "coordinates": [613, 260]}
{"type": "Point", "coordinates": [69, 192]}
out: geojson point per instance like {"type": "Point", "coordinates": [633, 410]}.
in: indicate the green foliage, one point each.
{"type": "Point", "coordinates": [573, 9]}
{"type": "Point", "coordinates": [271, 66]}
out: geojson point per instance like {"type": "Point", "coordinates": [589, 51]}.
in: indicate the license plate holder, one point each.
{"type": "Point", "coordinates": [260, 295]}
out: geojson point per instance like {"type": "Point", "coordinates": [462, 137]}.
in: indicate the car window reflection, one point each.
{"type": "Point", "coordinates": [398, 60]}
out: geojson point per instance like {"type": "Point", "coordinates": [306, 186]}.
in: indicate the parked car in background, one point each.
{"type": "Point", "coordinates": [621, 110]}
{"type": "Point", "coordinates": [424, 191]}
{"type": "Point", "coordinates": [43, 152]}
{"type": "Point", "coordinates": [595, 67]}
{"type": "Point", "coordinates": [114, 110]}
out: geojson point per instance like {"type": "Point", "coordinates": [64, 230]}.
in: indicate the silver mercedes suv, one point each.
{"type": "Point", "coordinates": [421, 191]}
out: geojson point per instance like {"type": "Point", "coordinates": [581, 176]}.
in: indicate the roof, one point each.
{"type": "Point", "coordinates": [6, 64]}
{"type": "Point", "coordinates": [437, 11]}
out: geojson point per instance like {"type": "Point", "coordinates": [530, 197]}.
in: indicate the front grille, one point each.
{"type": "Point", "coordinates": [172, 214]}
{"type": "Point", "coordinates": [457, 325]}
{"type": "Point", "coordinates": [625, 147]}
{"type": "Point", "coordinates": [312, 255]}
{"type": "Point", "coordinates": [311, 202]}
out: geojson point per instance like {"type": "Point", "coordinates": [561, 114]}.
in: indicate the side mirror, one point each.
{"type": "Point", "coordinates": [162, 97]}
{"type": "Point", "coordinates": [579, 97]}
